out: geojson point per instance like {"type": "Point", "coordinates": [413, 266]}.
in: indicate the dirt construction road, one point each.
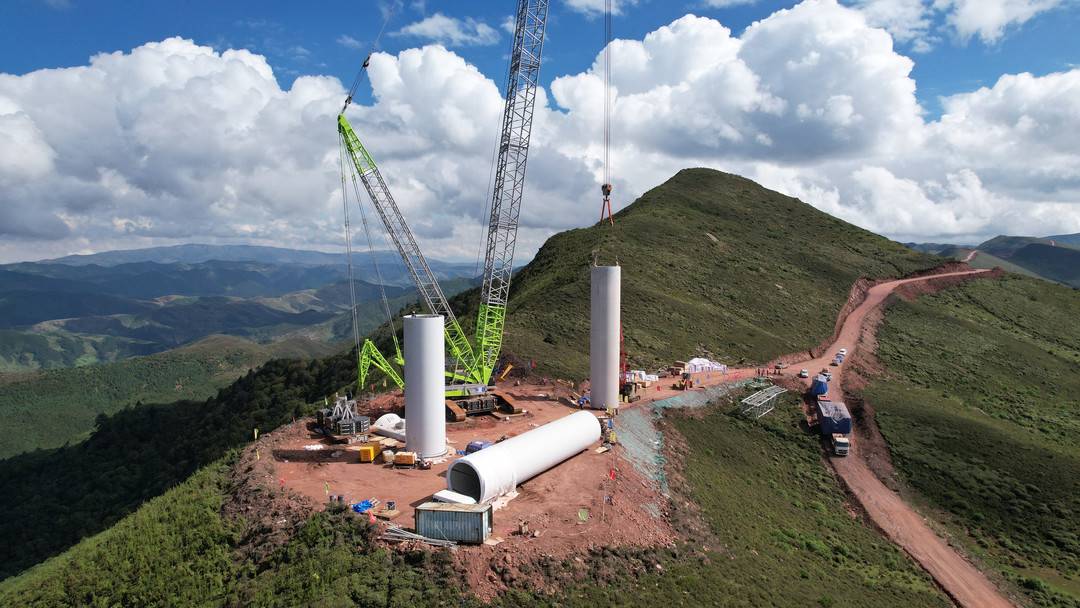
{"type": "Point", "coordinates": [962, 581]}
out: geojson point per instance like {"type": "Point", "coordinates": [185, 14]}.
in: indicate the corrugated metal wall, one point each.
{"type": "Point", "coordinates": [461, 526]}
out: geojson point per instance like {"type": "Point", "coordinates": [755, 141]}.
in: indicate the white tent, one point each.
{"type": "Point", "coordinates": [699, 364]}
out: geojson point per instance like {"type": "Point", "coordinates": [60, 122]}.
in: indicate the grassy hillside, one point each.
{"type": "Point", "coordinates": [782, 535]}
{"type": "Point", "coordinates": [178, 550]}
{"type": "Point", "coordinates": [22, 351]}
{"type": "Point", "coordinates": [779, 535]}
{"type": "Point", "coordinates": [988, 261]}
{"type": "Point", "coordinates": [49, 409]}
{"type": "Point", "coordinates": [711, 262]}
{"type": "Point", "coordinates": [1058, 261]}
{"type": "Point", "coordinates": [982, 413]}
{"type": "Point", "coordinates": [1061, 264]}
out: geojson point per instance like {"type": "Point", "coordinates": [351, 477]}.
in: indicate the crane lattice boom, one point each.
{"type": "Point", "coordinates": [461, 351]}
{"type": "Point", "coordinates": [509, 180]}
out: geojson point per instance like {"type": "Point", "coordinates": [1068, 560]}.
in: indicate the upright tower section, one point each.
{"type": "Point", "coordinates": [425, 361]}
{"type": "Point", "coordinates": [606, 300]}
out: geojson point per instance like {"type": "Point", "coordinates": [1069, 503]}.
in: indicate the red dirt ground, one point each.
{"type": "Point", "coordinates": [550, 502]}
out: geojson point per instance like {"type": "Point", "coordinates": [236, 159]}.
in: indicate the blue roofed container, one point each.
{"type": "Point", "coordinates": [819, 386]}
{"type": "Point", "coordinates": [834, 417]}
{"type": "Point", "coordinates": [457, 522]}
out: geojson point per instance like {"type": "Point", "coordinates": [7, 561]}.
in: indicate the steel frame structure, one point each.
{"type": "Point", "coordinates": [509, 186]}
{"type": "Point", "coordinates": [460, 350]}
{"type": "Point", "coordinates": [470, 366]}
{"type": "Point", "coordinates": [761, 402]}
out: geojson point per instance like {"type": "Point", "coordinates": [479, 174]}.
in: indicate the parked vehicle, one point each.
{"type": "Point", "coordinates": [804, 373]}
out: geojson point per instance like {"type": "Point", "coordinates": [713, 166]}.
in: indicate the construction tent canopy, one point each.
{"type": "Point", "coordinates": [699, 364]}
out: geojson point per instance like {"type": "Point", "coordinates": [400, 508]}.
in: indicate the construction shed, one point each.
{"type": "Point", "coordinates": [457, 522]}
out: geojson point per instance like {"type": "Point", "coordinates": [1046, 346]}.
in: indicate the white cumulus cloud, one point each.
{"type": "Point", "coordinates": [916, 22]}
{"type": "Point", "coordinates": [593, 8]}
{"type": "Point", "coordinates": [174, 141]}
{"type": "Point", "coordinates": [451, 31]}
{"type": "Point", "coordinates": [988, 19]}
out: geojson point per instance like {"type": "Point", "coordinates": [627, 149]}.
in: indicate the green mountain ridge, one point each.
{"type": "Point", "coordinates": [1052, 258]}
{"type": "Point", "coordinates": [195, 253]}
{"type": "Point", "coordinates": [712, 263]}
{"type": "Point", "coordinates": [981, 411]}
{"type": "Point", "coordinates": [735, 249]}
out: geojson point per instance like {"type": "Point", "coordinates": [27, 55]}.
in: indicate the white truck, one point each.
{"type": "Point", "coordinates": [840, 444]}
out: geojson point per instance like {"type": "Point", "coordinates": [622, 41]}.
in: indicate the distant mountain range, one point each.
{"type": "Point", "coordinates": [195, 253]}
{"type": "Point", "coordinates": [389, 262]}
{"type": "Point", "coordinates": [112, 305]}
{"type": "Point", "coordinates": [1066, 239]}
{"type": "Point", "coordinates": [1054, 258]}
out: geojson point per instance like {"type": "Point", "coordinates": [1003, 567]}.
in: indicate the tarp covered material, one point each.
{"type": "Point", "coordinates": [454, 497]}
{"type": "Point", "coordinates": [820, 386]}
{"type": "Point", "coordinates": [700, 364]}
{"type": "Point", "coordinates": [834, 417]}
{"type": "Point", "coordinates": [363, 506]}
{"type": "Point", "coordinates": [390, 425]}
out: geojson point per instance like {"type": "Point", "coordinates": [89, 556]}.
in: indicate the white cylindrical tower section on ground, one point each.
{"type": "Point", "coordinates": [604, 336]}
{"type": "Point", "coordinates": [425, 392]}
{"type": "Point", "coordinates": [496, 470]}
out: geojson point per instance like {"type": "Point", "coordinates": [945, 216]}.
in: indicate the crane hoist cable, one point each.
{"type": "Point", "coordinates": [348, 257]}
{"type": "Point", "coordinates": [475, 364]}
{"type": "Point", "coordinates": [367, 60]}
{"type": "Point", "coordinates": [378, 273]}
{"type": "Point", "coordinates": [606, 187]}
{"type": "Point", "coordinates": [367, 352]}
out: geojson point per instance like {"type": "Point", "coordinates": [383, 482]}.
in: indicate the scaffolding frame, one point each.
{"type": "Point", "coordinates": [761, 402]}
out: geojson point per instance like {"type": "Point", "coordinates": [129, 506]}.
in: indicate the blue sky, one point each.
{"type": "Point", "coordinates": [299, 39]}
{"type": "Point", "coordinates": [128, 124]}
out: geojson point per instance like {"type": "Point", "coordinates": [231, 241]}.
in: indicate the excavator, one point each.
{"type": "Point", "coordinates": [471, 364]}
